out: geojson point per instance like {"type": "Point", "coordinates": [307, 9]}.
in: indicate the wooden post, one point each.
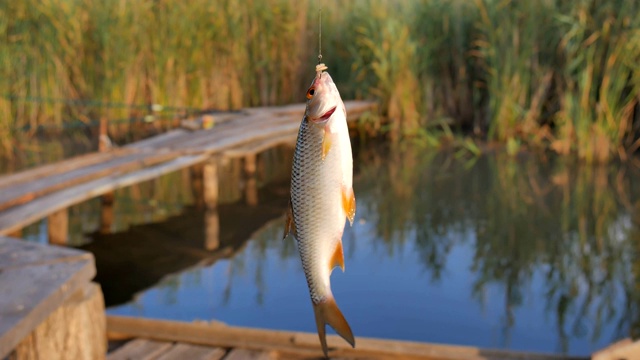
{"type": "Point", "coordinates": [211, 229]}
{"type": "Point", "coordinates": [196, 185]}
{"type": "Point", "coordinates": [58, 226]}
{"type": "Point", "coordinates": [106, 212]}
{"type": "Point", "coordinates": [103, 137]}
{"type": "Point", "coordinates": [210, 197]}
{"type": "Point", "coordinates": [210, 184]}
{"type": "Point", "coordinates": [76, 330]}
{"type": "Point", "coordinates": [251, 183]}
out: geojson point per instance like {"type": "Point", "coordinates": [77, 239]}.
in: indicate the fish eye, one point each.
{"type": "Point", "coordinates": [310, 92]}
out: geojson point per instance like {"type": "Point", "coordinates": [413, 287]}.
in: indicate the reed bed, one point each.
{"type": "Point", "coordinates": [547, 74]}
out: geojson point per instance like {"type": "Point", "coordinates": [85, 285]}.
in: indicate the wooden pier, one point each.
{"type": "Point", "coordinates": [50, 308]}
{"type": "Point", "coordinates": [47, 191]}
{"type": "Point", "coordinates": [160, 339]}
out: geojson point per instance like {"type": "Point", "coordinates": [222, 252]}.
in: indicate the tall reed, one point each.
{"type": "Point", "coordinates": [543, 74]}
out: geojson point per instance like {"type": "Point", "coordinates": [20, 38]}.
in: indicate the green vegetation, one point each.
{"type": "Point", "coordinates": [546, 74]}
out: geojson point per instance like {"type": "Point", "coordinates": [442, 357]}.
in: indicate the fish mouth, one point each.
{"type": "Point", "coordinates": [326, 115]}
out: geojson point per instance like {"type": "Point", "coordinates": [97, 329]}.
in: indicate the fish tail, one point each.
{"type": "Point", "coordinates": [327, 312]}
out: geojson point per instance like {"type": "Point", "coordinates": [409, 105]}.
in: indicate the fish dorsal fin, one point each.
{"type": "Point", "coordinates": [349, 204]}
{"type": "Point", "coordinates": [338, 257]}
{"type": "Point", "coordinates": [289, 225]}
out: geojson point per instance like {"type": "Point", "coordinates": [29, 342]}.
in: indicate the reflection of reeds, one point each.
{"type": "Point", "coordinates": [569, 224]}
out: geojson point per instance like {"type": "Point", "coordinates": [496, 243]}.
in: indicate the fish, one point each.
{"type": "Point", "coordinates": [322, 198]}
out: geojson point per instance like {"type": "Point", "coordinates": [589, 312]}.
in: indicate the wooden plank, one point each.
{"type": "Point", "coordinates": [287, 341]}
{"type": "Point", "coordinates": [263, 145]}
{"type": "Point", "coordinates": [205, 135]}
{"type": "Point", "coordinates": [623, 349]}
{"type": "Point", "coordinates": [220, 142]}
{"type": "Point", "coordinates": [259, 120]}
{"type": "Point", "coordinates": [246, 354]}
{"type": "Point", "coordinates": [159, 140]}
{"type": "Point", "coordinates": [25, 214]}
{"type": "Point", "coordinates": [240, 129]}
{"type": "Point", "coordinates": [140, 349]}
{"type": "Point", "coordinates": [16, 253]}
{"type": "Point", "coordinates": [182, 351]}
{"type": "Point", "coordinates": [32, 291]}
{"type": "Point", "coordinates": [355, 107]}
{"type": "Point", "coordinates": [209, 120]}
{"type": "Point", "coordinates": [58, 167]}
{"type": "Point", "coordinates": [30, 190]}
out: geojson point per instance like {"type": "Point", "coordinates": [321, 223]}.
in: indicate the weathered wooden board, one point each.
{"type": "Point", "coordinates": [57, 168]}
{"type": "Point", "coordinates": [28, 191]}
{"type": "Point", "coordinates": [25, 214]}
{"type": "Point", "coordinates": [623, 349]}
{"type": "Point", "coordinates": [182, 351]}
{"type": "Point", "coordinates": [246, 354]}
{"type": "Point", "coordinates": [15, 253]}
{"type": "Point", "coordinates": [159, 140]}
{"type": "Point", "coordinates": [354, 107]}
{"type": "Point", "coordinates": [236, 133]}
{"type": "Point", "coordinates": [260, 146]}
{"type": "Point", "coordinates": [244, 136]}
{"type": "Point", "coordinates": [140, 349]}
{"type": "Point", "coordinates": [299, 343]}
{"type": "Point", "coordinates": [32, 290]}
{"type": "Point", "coordinates": [259, 125]}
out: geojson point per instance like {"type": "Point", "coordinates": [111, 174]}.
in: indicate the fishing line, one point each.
{"type": "Point", "coordinates": [320, 34]}
{"type": "Point", "coordinates": [320, 67]}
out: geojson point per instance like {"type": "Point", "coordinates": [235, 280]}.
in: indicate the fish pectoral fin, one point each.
{"type": "Point", "coordinates": [326, 143]}
{"type": "Point", "coordinates": [327, 312]}
{"type": "Point", "coordinates": [349, 204]}
{"type": "Point", "coordinates": [337, 259]}
{"type": "Point", "coordinates": [289, 225]}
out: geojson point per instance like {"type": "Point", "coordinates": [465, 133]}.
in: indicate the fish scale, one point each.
{"type": "Point", "coordinates": [306, 193]}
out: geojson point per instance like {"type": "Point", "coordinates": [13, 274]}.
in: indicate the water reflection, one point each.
{"type": "Point", "coordinates": [527, 253]}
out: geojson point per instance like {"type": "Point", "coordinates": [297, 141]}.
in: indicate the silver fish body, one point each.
{"type": "Point", "coordinates": [322, 198]}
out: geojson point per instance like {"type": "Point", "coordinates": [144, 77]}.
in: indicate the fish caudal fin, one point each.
{"type": "Point", "coordinates": [327, 312]}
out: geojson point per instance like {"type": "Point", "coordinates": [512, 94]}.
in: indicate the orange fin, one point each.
{"type": "Point", "coordinates": [289, 225]}
{"type": "Point", "coordinates": [338, 257]}
{"type": "Point", "coordinates": [349, 204]}
{"type": "Point", "coordinates": [326, 144]}
{"type": "Point", "coordinates": [327, 312]}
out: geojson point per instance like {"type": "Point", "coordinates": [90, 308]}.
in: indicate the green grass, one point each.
{"type": "Point", "coordinates": [547, 74]}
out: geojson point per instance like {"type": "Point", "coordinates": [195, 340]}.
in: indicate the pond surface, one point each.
{"type": "Point", "coordinates": [531, 254]}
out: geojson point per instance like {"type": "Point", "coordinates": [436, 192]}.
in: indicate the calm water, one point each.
{"type": "Point", "coordinates": [526, 254]}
